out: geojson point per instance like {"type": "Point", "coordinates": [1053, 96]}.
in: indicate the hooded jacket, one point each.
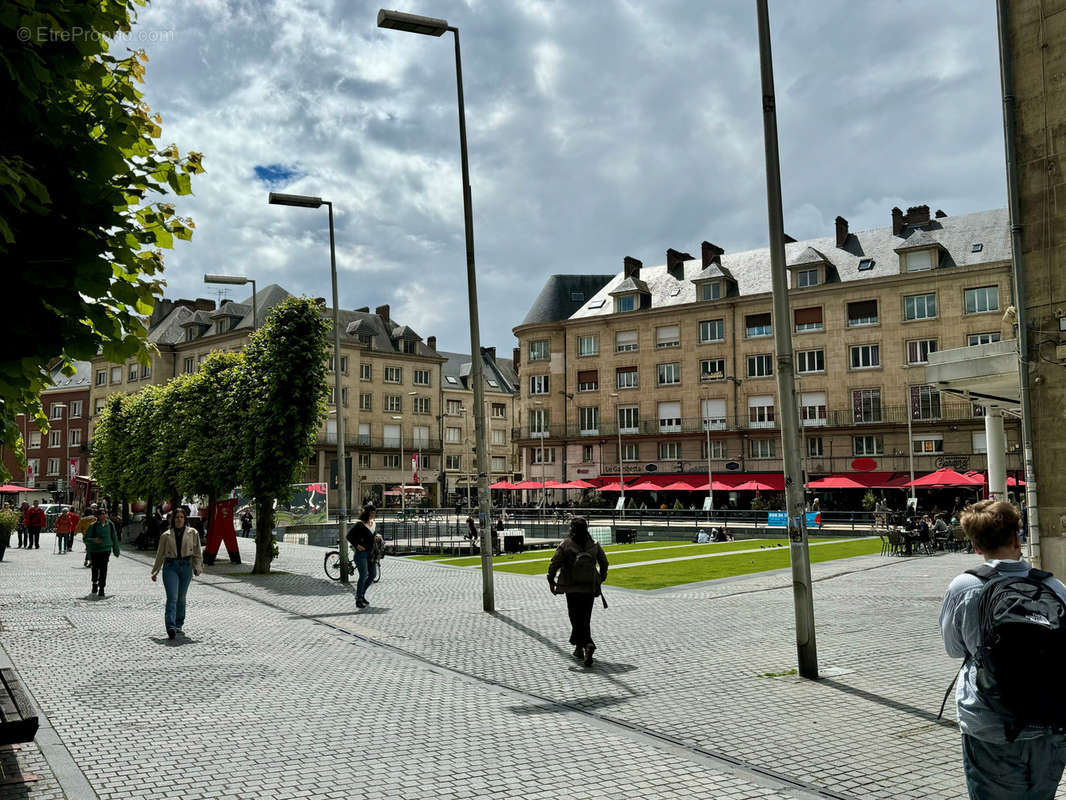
{"type": "Point", "coordinates": [563, 560]}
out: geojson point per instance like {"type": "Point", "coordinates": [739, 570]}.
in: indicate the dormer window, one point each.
{"type": "Point", "coordinates": [364, 339]}
{"type": "Point", "coordinates": [625, 303]}
{"type": "Point", "coordinates": [409, 346]}
{"type": "Point", "coordinates": [190, 334]}
{"type": "Point", "coordinates": [712, 290]}
{"type": "Point", "coordinates": [918, 260]}
{"type": "Point", "coordinates": [866, 264]}
{"type": "Point", "coordinates": [807, 277]}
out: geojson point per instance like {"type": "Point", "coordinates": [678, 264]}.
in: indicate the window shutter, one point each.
{"type": "Point", "coordinates": [756, 320]}
{"type": "Point", "coordinates": [808, 316]}
{"type": "Point", "coordinates": [587, 376]}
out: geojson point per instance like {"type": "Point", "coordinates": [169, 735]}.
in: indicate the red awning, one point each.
{"type": "Point", "coordinates": [753, 486]}
{"type": "Point", "coordinates": [943, 478]}
{"type": "Point", "coordinates": [10, 488]}
{"type": "Point", "coordinates": [502, 485]}
{"type": "Point", "coordinates": [837, 482]}
{"type": "Point", "coordinates": [678, 486]}
{"type": "Point", "coordinates": [578, 484]}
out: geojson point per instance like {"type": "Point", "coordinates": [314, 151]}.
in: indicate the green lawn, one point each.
{"type": "Point", "coordinates": [545, 552]}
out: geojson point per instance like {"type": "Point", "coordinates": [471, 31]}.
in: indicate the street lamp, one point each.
{"type": "Point", "coordinates": [430, 26]}
{"type": "Point", "coordinates": [237, 280]}
{"type": "Point", "coordinates": [304, 201]}
{"type": "Point", "coordinates": [621, 476]}
{"type": "Point", "coordinates": [710, 473]}
{"type": "Point", "coordinates": [403, 480]}
{"type": "Point", "coordinates": [543, 433]}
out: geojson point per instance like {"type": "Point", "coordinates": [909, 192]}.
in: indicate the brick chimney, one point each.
{"type": "Point", "coordinates": [897, 221]}
{"type": "Point", "coordinates": [364, 309]}
{"type": "Point", "coordinates": [918, 215]}
{"type": "Point", "coordinates": [675, 263]}
{"type": "Point", "coordinates": [383, 312]}
{"type": "Point", "coordinates": [711, 254]}
{"type": "Point", "coordinates": [631, 267]}
{"type": "Point", "coordinates": [940, 213]}
{"type": "Point", "coordinates": [160, 311]}
{"type": "Point", "coordinates": [490, 352]}
{"type": "Point", "coordinates": [842, 231]}
{"type": "Point", "coordinates": [203, 304]}
{"type": "Point", "coordinates": [431, 342]}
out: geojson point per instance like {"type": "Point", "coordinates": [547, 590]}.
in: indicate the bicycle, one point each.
{"type": "Point", "coordinates": [332, 565]}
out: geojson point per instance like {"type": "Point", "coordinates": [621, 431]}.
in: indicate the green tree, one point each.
{"type": "Point", "coordinates": [111, 449]}
{"type": "Point", "coordinates": [284, 380]}
{"type": "Point", "coordinates": [79, 170]}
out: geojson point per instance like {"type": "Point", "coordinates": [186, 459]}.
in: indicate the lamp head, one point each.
{"type": "Point", "coordinates": [299, 200]}
{"type": "Point", "coordinates": [238, 280]}
{"type": "Point", "coordinates": [412, 23]}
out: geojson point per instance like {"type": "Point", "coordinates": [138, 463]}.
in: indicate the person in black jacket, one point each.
{"type": "Point", "coordinates": [361, 538]}
{"type": "Point", "coordinates": [577, 569]}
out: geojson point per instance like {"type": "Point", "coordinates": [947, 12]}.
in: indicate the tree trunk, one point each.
{"type": "Point", "coordinates": [264, 536]}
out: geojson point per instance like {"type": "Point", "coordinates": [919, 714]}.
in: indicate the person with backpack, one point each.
{"type": "Point", "coordinates": [1008, 621]}
{"type": "Point", "coordinates": [101, 540]}
{"type": "Point", "coordinates": [361, 538]}
{"type": "Point", "coordinates": [581, 566]}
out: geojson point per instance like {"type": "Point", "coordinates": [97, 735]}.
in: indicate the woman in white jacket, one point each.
{"type": "Point", "coordinates": [180, 557]}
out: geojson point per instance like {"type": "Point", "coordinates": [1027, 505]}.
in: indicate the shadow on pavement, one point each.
{"type": "Point", "coordinates": [921, 713]}
{"type": "Point", "coordinates": [11, 771]}
{"type": "Point", "coordinates": [589, 704]}
{"type": "Point", "coordinates": [181, 640]}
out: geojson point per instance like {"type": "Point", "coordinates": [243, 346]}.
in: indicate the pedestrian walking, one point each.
{"type": "Point", "coordinates": [65, 526]}
{"type": "Point", "coordinates": [34, 523]}
{"type": "Point", "coordinates": [580, 565]}
{"type": "Point", "coordinates": [180, 557]}
{"type": "Point", "coordinates": [1010, 707]}
{"type": "Point", "coordinates": [101, 540]}
{"type": "Point", "coordinates": [83, 525]}
{"type": "Point", "coordinates": [24, 511]}
{"type": "Point", "coordinates": [361, 537]}
{"type": "Point", "coordinates": [246, 523]}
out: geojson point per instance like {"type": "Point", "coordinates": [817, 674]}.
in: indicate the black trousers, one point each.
{"type": "Point", "coordinates": [34, 538]}
{"type": "Point", "coordinates": [579, 606]}
{"type": "Point", "coordinates": [99, 564]}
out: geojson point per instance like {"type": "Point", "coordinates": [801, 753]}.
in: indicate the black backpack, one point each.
{"type": "Point", "coordinates": [585, 569]}
{"type": "Point", "coordinates": [1021, 651]}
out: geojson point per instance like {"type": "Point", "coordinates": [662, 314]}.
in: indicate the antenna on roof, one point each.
{"type": "Point", "coordinates": [221, 292]}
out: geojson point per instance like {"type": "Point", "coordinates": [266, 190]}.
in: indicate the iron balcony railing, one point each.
{"type": "Point", "coordinates": [410, 443]}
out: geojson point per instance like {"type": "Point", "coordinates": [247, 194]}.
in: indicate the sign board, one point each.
{"type": "Point", "coordinates": [618, 504]}
{"type": "Point", "coordinates": [706, 503]}
{"type": "Point", "coordinates": [864, 465]}
{"type": "Point", "coordinates": [651, 467]}
{"type": "Point", "coordinates": [732, 466]}
{"type": "Point", "coordinates": [779, 519]}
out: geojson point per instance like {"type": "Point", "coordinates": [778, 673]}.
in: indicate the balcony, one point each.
{"type": "Point", "coordinates": [411, 444]}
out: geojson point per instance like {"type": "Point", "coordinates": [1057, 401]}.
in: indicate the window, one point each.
{"type": "Point", "coordinates": [925, 402]}
{"type": "Point", "coordinates": [629, 419]}
{"type": "Point", "coordinates": [333, 395]}
{"type": "Point", "coordinates": [919, 260]}
{"type": "Point", "coordinates": [975, 339]}
{"type": "Point", "coordinates": [918, 350]}
{"type": "Point", "coordinates": [760, 366]}
{"type": "Point", "coordinates": [391, 435]}
{"type": "Point", "coordinates": [421, 377]}
{"type": "Point", "coordinates": [863, 312]}
{"type": "Point", "coordinates": [133, 372]}
{"type": "Point", "coordinates": [499, 463]}
{"type": "Point", "coordinates": [55, 439]}
{"type": "Point", "coordinates": [99, 405]}
{"type": "Point", "coordinates": [390, 461]}
{"type": "Point", "coordinates": [810, 361]}
{"type": "Point", "coordinates": [393, 402]}
{"type": "Point", "coordinates": [499, 436]}
{"type": "Point", "coordinates": [101, 377]}
{"type": "Point", "coordinates": [712, 412]}
{"type": "Point", "coordinates": [981, 300]}
{"type": "Point", "coordinates": [454, 407]}
{"type": "Point", "coordinates": [35, 436]}
{"type": "Point", "coordinates": [669, 451]}
{"type": "Point", "coordinates": [866, 405]}
{"type": "Point", "coordinates": [668, 336]}
{"type": "Point", "coordinates": [538, 422]}
{"type": "Point", "coordinates": [364, 460]}
{"type": "Point", "coordinates": [815, 447]}
{"type": "Point", "coordinates": [75, 409]}
{"type": "Point", "coordinates": [74, 439]}
{"type": "Point", "coordinates": [453, 435]}
{"type": "Point", "coordinates": [33, 469]}
{"type": "Point", "coordinates": [409, 346]}
{"type": "Point", "coordinates": [868, 445]}
{"type": "Point", "coordinates": [576, 296]}
{"type": "Point", "coordinates": [865, 264]}
{"type": "Point", "coordinates": [712, 369]}
{"type": "Point", "coordinates": [588, 380]}
{"type": "Point", "coordinates": [756, 325]}
{"type": "Point", "coordinates": [588, 345]}
{"type": "Point", "coordinates": [978, 441]}
{"type": "Point", "coordinates": [57, 410]}
{"type": "Point", "coordinates": [626, 377]}
{"type": "Point", "coordinates": [807, 277]}
{"type": "Point", "coordinates": [808, 319]}
{"type": "Point", "coordinates": [762, 448]}
{"type": "Point", "coordinates": [624, 304]}
{"type": "Point", "coordinates": [393, 374]}
{"type": "Point", "coordinates": [116, 374]}
{"type": "Point", "coordinates": [543, 455]}
{"type": "Point", "coordinates": [718, 449]}
{"type": "Point", "coordinates": [365, 339]}
{"type": "Point", "coordinates": [670, 374]}
{"type": "Point", "coordinates": [865, 356]}
{"type": "Point", "coordinates": [422, 405]}
{"type": "Point", "coordinates": [344, 364]}
{"type": "Point", "coordinates": [187, 364]}
{"type": "Point", "coordinates": [919, 306]}
{"type": "Point", "coordinates": [420, 439]}
{"type": "Point", "coordinates": [366, 401]}
{"type": "Point", "coordinates": [712, 330]}
{"type": "Point", "coordinates": [364, 432]}
{"type": "Point", "coordinates": [539, 384]}
{"type": "Point", "coordinates": [631, 452]}
{"type": "Point", "coordinates": [625, 341]}
{"type": "Point", "coordinates": [366, 372]}
{"type": "Point", "coordinates": [53, 466]}
{"type": "Point", "coordinates": [976, 247]}
{"type": "Point", "coordinates": [499, 411]}
{"type": "Point", "coordinates": [761, 411]}
{"type": "Point", "coordinates": [540, 350]}
{"type": "Point", "coordinates": [711, 290]}
{"type": "Point", "coordinates": [146, 371]}
{"type": "Point", "coordinates": [590, 420]}
{"type": "Point", "coordinates": [812, 408]}
{"type": "Point", "coordinates": [588, 454]}
{"type": "Point", "coordinates": [670, 417]}
{"type": "Point", "coordinates": [927, 443]}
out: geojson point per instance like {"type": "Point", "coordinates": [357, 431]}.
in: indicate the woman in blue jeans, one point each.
{"type": "Point", "coordinates": [180, 557]}
{"type": "Point", "coordinates": [361, 538]}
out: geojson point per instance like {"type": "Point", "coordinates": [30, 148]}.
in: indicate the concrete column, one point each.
{"type": "Point", "coordinates": [996, 446]}
{"type": "Point", "coordinates": [321, 466]}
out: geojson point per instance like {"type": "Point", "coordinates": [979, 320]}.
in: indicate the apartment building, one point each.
{"type": "Point", "coordinates": [457, 423]}
{"type": "Point", "coordinates": [680, 358]}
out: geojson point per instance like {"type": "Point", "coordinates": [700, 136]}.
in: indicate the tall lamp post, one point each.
{"type": "Point", "coordinates": [239, 280]}
{"type": "Point", "coordinates": [403, 479]}
{"type": "Point", "coordinates": [710, 474]}
{"type": "Point", "coordinates": [540, 450]}
{"type": "Point", "coordinates": [621, 475]}
{"type": "Point", "coordinates": [305, 201]}
{"type": "Point", "coordinates": [429, 26]}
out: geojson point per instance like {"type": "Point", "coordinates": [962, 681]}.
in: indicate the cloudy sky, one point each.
{"type": "Point", "coordinates": [597, 129]}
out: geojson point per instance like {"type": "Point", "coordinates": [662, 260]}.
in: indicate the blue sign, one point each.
{"type": "Point", "coordinates": [779, 519]}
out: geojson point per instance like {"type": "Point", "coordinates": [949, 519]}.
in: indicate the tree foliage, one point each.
{"type": "Point", "coordinates": [81, 230]}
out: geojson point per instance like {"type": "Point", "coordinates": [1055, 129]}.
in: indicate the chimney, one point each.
{"type": "Point", "coordinates": [842, 231]}
{"type": "Point", "coordinates": [431, 342]}
{"type": "Point", "coordinates": [918, 215]}
{"type": "Point", "coordinates": [516, 357]}
{"type": "Point", "coordinates": [789, 239]}
{"type": "Point", "coordinates": [711, 253]}
{"type": "Point", "coordinates": [631, 267]}
{"type": "Point", "coordinates": [203, 304]}
{"type": "Point", "coordinates": [364, 309]}
{"type": "Point", "coordinates": [490, 352]}
{"type": "Point", "coordinates": [897, 221]}
{"type": "Point", "coordinates": [675, 263]}
{"type": "Point", "coordinates": [940, 213]}
{"type": "Point", "coordinates": [160, 311]}
{"type": "Point", "coordinates": [383, 312]}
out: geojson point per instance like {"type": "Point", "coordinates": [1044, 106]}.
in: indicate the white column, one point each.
{"type": "Point", "coordinates": [996, 445]}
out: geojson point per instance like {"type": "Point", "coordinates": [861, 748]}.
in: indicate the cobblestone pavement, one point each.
{"type": "Point", "coordinates": [423, 694]}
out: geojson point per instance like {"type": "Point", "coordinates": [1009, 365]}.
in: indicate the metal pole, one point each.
{"type": "Point", "coordinates": [403, 479]}
{"type": "Point", "coordinates": [910, 445]}
{"type": "Point", "coordinates": [806, 647]}
{"type": "Point", "coordinates": [255, 305]}
{"type": "Point", "coordinates": [1006, 74]}
{"type": "Point", "coordinates": [342, 472]}
{"type": "Point", "coordinates": [484, 498]}
{"type": "Point", "coordinates": [710, 475]}
{"type": "Point", "coordinates": [621, 473]}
